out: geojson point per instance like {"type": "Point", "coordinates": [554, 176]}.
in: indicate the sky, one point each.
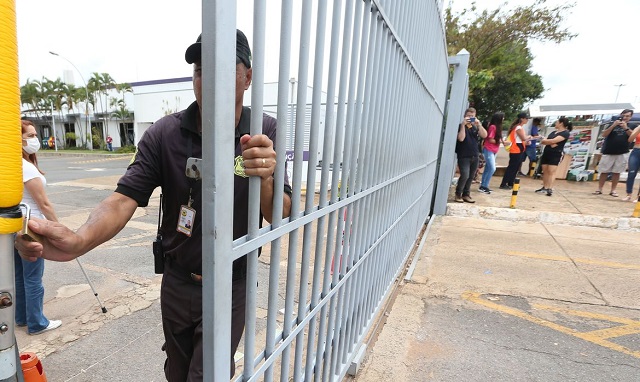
{"type": "Point", "coordinates": [138, 40]}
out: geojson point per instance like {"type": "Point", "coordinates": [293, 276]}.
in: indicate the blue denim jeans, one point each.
{"type": "Point", "coordinates": [489, 167]}
{"type": "Point", "coordinates": [634, 166]}
{"type": "Point", "coordinates": [29, 293]}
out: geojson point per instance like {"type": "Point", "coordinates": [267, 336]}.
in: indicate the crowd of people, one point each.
{"type": "Point", "coordinates": [480, 143]}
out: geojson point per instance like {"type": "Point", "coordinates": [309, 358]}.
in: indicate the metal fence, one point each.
{"type": "Point", "coordinates": [325, 272]}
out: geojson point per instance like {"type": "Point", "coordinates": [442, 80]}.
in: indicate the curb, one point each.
{"type": "Point", "coordinates": [72, 154]}
{"type": "Point", "coordinates": [620, 223]}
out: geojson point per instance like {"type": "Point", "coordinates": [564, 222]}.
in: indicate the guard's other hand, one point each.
{"type": "Point", "coordinates": [259, 156]}
{"type": "Point", "coordinates": [59, 243]}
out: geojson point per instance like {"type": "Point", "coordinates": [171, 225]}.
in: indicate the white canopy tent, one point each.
{"type": "Point", "coordinates": [578, 110]}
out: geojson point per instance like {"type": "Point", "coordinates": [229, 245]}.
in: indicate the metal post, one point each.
{"type": "Point", "coordinates": [457, 103]}
{"type": "Point", "coordinates": [53, 122]}
{"type": "Point", "coordinates": [9, 363]}
{"type": "Point", "coordinates": [218, 116]}
{"type": "Point", "coordinates": [86, 90]}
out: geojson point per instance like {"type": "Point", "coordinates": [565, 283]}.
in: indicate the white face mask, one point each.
{"type": "Point", "coordinates": [33, 145]}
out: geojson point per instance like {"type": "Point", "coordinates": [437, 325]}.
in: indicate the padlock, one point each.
{"type": "Point", "coordinates": [26, 233]}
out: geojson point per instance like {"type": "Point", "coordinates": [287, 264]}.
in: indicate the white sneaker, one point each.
{"type": "Point", "coordinates": [53, 324]}
{"type": "Point", "coordinates": [627, 198]}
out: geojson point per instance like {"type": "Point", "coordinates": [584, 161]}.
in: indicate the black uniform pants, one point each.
{"type": "Point", "coordinates": [181, 303]}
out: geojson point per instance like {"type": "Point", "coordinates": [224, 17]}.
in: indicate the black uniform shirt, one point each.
{"type": "Point", "coordinates": [160, 160]}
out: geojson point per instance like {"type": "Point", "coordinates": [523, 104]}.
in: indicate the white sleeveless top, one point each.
{"type": "Point", "coordinates": [29, 171]}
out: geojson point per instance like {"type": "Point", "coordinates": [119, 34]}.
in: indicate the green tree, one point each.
{"type": "Point", "coordinates": [500, 76]}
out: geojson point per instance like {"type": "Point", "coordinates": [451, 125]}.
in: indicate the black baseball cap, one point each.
{"type": "Point", "coordinates": [243, 52]}
{"type": "Point", "coordinates": [523, 115]}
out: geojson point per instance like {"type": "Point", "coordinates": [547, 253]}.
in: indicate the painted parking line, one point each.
{"type": "Point", "coordinates": [602, 263]}
{"type": "Point", "coordinates": [101, 160]}
{"type": "Point", "coordinates": [599, 337]}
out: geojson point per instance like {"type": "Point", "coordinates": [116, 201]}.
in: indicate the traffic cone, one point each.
{"type": "Point", "coordinates": [32, 368]}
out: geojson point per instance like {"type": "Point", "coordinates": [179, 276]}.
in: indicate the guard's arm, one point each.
{"type": "Point", "coordinates": [59, 243]}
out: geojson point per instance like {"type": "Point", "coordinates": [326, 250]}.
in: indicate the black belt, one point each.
{"type": "Point", "coordinates": [239, 272]}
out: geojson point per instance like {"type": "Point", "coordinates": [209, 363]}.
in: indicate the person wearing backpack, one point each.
{"type": "Point", "coordinates": [518, 139]}
{"type": "Point", "coordinates": [469, 133]}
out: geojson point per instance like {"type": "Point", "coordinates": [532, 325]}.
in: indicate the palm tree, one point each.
{"type": "Point", "coordinates": [99, 85]}
{"type": "Point", "coordinates": [121, 114]}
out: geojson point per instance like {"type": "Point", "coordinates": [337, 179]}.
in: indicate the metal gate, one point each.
{"type": "Point", "coordinates": [325, 271]}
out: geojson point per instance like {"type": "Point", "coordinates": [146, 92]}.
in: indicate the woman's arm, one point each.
{"type": "Point", "coordinates": [555, 140]}
{"type": "Point", "coordinates": [522, 135]}
{"type": "Point", "coordinates": [634, 134]}
{"type": "Point", "coordinates": [39, 195]}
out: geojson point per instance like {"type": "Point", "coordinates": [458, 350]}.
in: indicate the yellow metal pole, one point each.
{"type": "Point", "coordinates": [10, 185]}
{"type": "Point", "coordinates": [636, 211]}
{"type": "Point", "coordinates": [532, 168]}
{"type": "Point", "coordinates": [514, 192]}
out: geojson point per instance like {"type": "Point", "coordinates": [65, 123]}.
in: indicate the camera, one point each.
{"type": "Point", "coordinates": [472, 119]}
{"type": "Point", "coordinates": [620, 118]}
{"type": "Point", "coordinates": [158, 255]}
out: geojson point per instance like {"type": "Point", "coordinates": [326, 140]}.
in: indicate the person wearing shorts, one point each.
{"type": "Point", "coordinates": [552, 154]}
{"type": "Point", "coordinates": [616, 144]}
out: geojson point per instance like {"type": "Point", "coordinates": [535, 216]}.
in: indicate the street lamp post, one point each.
{"type": "Point", "coordinates": [86, 89]}
{"type": "Point", "coordinates": [618, 93]}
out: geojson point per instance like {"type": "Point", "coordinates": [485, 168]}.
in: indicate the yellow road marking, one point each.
{"type": "Point", "coordinates": [580, 313]}
{"type": "Point", "coordinates": [617, 331]}
{"type": "Point", "coordinates": [593, 337]}
{"type": "Point", "coordinates": [608, 264]}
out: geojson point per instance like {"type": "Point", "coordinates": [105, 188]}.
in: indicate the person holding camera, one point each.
{"type": "Point", "coordinates": [615, 145]}
{"type": "Point", "coordinates": [469, 133]}
{"type": "Point", "coordinates": [163, 154]}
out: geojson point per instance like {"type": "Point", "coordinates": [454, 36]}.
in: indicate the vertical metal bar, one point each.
{"type": "Point", "coordinates": [357, 143]}
{"type": "Point", "coordinates": [283, 106]}
{"type": "Point", "coordinates": [348, 153]}
{"type": "Point", "coordinates": [324, 183]}
{"type": "Point", "coordinates": [218, 116]}
{"type": "Point", "coordinates": [372, 174]}
{"type": "Point", "coordinates": [303, 74]}
{"type": "Point", "coordinates": [337, 155]}
{"type": "Point", "coordinates": [303, 70]}
{"type": "Point", "coordinates": [316, 102]}
{"type": "Point", "coordinates": [370, 114]}
{"type": "Point", "coordinates": [257, 95]}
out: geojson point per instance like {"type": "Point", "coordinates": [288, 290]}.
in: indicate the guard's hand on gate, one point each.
{"type": "Point", "coordinates": [59, 243]}
{"type": "Point", "coordinates": [259, 156]}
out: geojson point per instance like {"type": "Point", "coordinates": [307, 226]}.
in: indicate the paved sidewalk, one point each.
{"type": "Point", "coordinates": [546, 291]}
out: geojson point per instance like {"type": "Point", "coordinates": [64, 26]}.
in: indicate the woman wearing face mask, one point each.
{"type": "Point", "coordinates": [29, 288]}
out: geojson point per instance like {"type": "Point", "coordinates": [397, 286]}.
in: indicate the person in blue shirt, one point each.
{"type": "Point", "coordinates": [530, 150]}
